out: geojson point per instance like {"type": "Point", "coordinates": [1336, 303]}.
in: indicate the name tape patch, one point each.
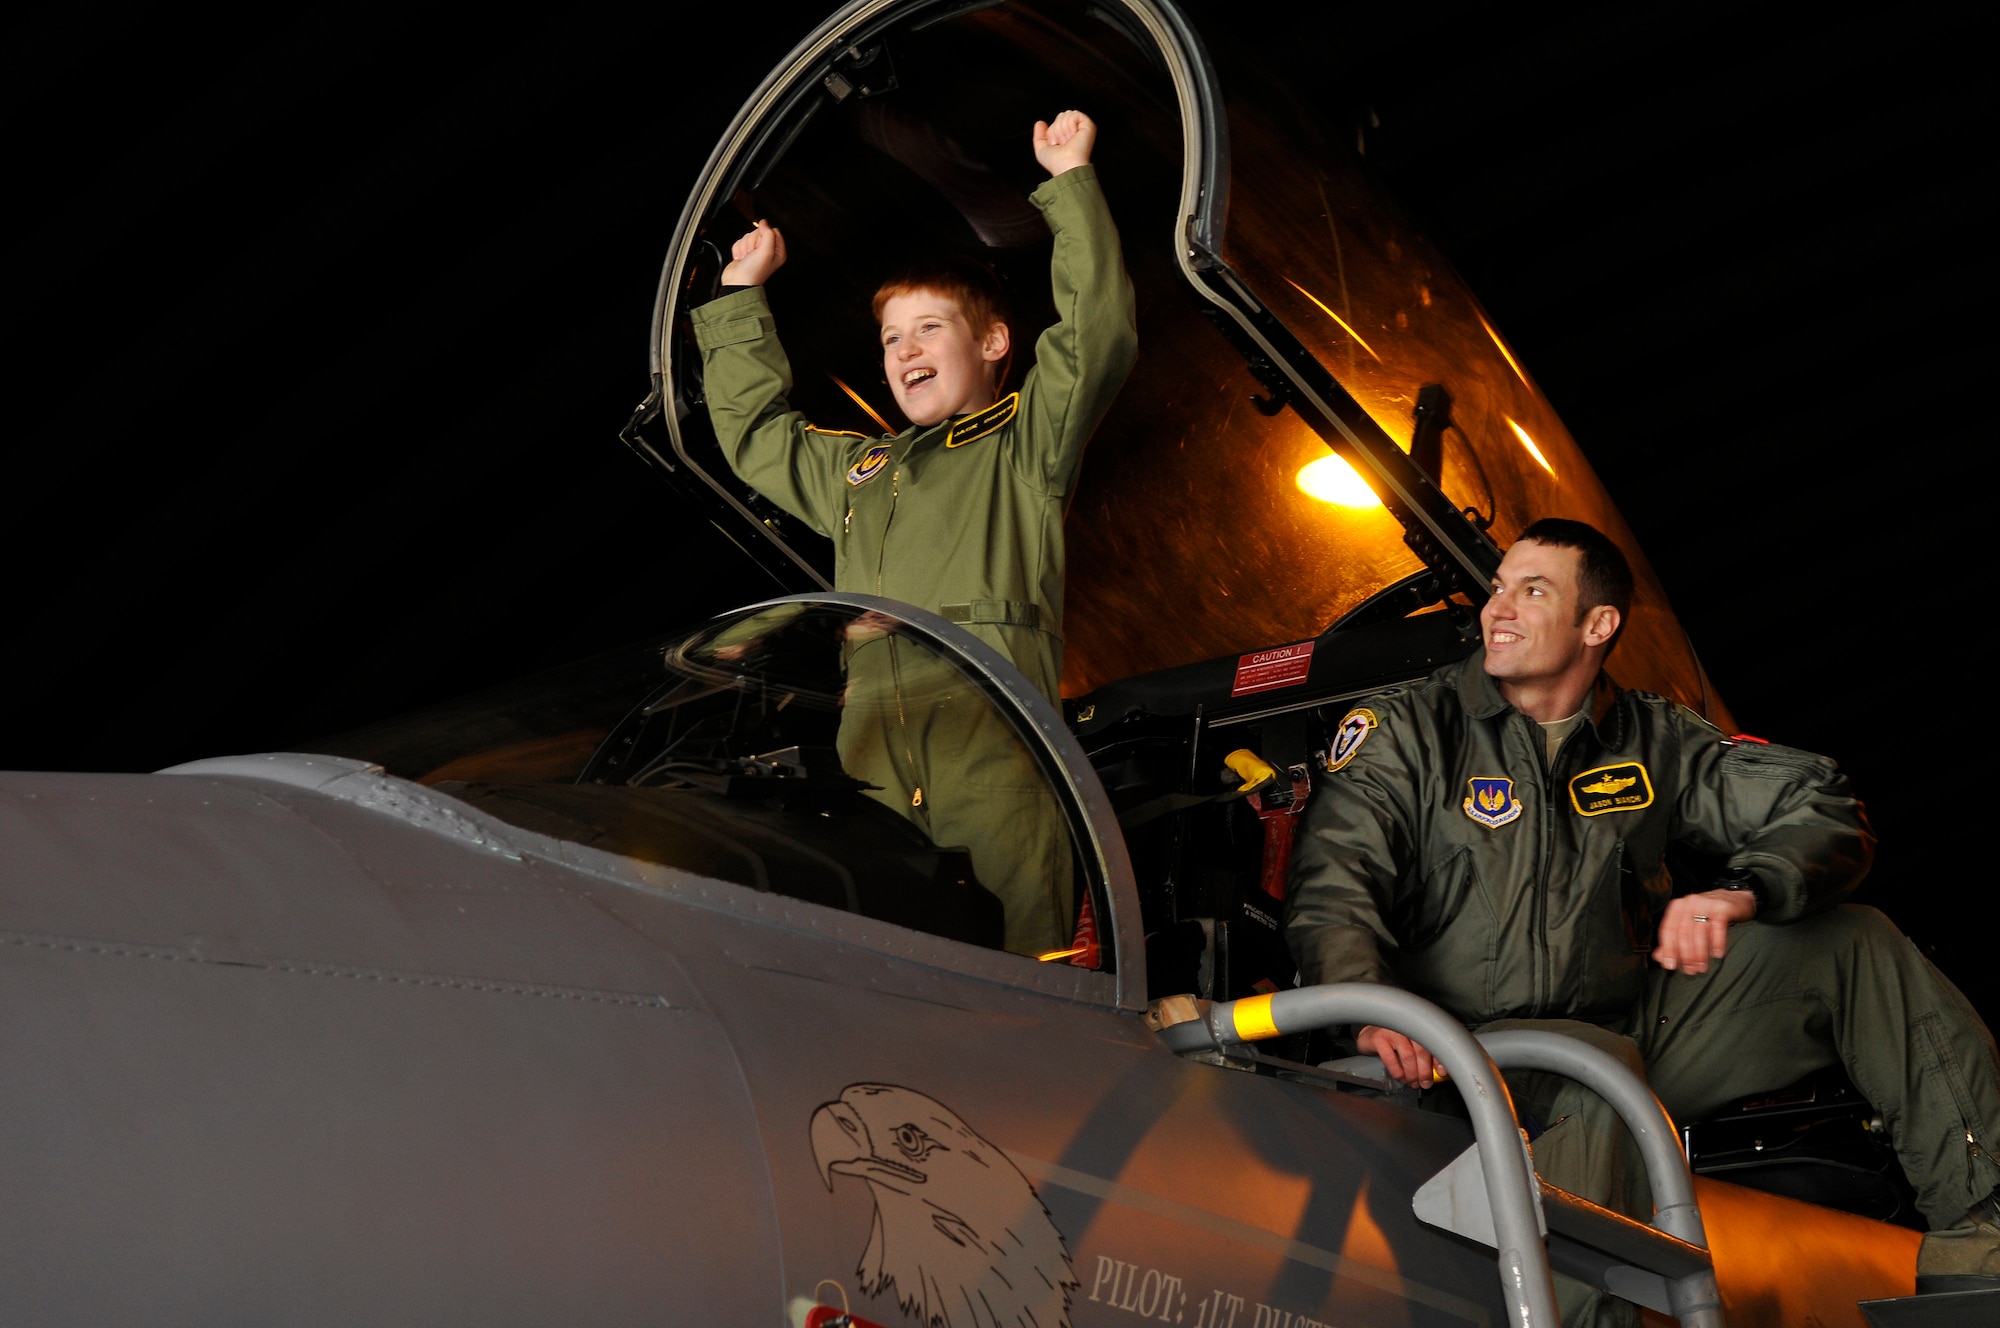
{"type": "Point", "coordinates": [1348, 737]}
{"type": "Point", "coordinates": [869, 466]}
{"type": "Point", "coordinates": [1491, 802]}
{"type": "Point", "coordinates": [1263, 670]}
{"type": "Point", "coordinates": [975, 427]}
{"type": "Point", "coordinates": [1624, 787]}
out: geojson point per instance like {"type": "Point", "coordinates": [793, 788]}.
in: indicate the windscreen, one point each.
{"type": "Point", "coordinates": [820, 751]}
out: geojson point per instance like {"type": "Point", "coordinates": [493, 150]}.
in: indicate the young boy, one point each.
{"type": "Point", "coordinates": [978, 484]}
{"type": "Point", "coordinates": [960, 514]}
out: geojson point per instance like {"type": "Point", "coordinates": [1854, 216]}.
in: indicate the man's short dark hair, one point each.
{"type": "Point", "coordinates": [1603, 575]}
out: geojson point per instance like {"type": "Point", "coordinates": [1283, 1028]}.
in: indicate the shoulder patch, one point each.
{"type": "Point", "coordinates": [1625, 787]}
{"type": "Point", "coordinates": [1491, 802]}
{"type": "Point", "coordinates": [974, 427]}
{"type": "Point", "coordinates": [1352, 731]}
{"type": "Point", "coordinates": [869, 466]}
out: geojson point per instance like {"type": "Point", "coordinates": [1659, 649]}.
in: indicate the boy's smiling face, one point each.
{"type": "Point", "coordinates": [937, 364]}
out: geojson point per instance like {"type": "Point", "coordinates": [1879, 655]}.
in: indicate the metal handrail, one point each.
{"type": "Point", "coordinates": [1696, 1300]}
{"type": "Point", "coordinates": [1523, 1260]}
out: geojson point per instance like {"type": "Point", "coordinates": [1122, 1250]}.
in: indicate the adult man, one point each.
{"type": "Point", "coordinates": [1495, 837]}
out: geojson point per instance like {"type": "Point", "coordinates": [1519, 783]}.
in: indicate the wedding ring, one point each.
{"type": "Point", "coordinates": [1701, 917]}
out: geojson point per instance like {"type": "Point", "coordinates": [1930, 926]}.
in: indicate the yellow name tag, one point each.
{"type": "Point", "coordinates": [974, 427]}
{"type": "Point", "coordinates": [1611, 788]}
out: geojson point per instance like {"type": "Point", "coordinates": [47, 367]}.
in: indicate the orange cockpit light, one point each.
{"type": "Point", "coordinates": [1331, 480]}
{"type": "Point", "coordinates": [1529, 443]}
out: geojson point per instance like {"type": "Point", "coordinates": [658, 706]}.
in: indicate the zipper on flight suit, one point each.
{"type": "Point", "coordinates": [1544, 974]}
{"type": "Point", "coordinates": [895, 664]}
{"type": "Point", "coordinates": [882, 552]}
{"type": "Point", "coordinates": [1540, 934]}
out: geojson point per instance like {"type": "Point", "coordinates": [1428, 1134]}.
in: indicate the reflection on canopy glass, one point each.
{"type": "Point", "coordinates": [1384, 311]}
{"type": "Point", "coordinates": [808, 750]}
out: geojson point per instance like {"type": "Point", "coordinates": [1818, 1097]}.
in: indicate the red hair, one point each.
{"type": "Point", "coordinates": [970, 285]}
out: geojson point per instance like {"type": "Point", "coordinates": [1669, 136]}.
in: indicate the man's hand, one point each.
{"type": "Point", "coordinates": [1066, 144]}
{"type": "Point", "coordinates": [1696, 928]}
{"type": "Point", "coordinates": [755, 257]}
{"type": "Point", "coordinates": [1407, 1061]}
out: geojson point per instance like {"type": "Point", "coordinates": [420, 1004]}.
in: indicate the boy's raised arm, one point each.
{"type": "Point", "coordinates": [748, 380]}
{"type": "Point", "coordinates": [1081, 362]}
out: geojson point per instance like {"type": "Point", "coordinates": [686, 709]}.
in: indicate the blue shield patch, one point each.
{"type": "Point", "coordinates": [1491, 802]}
{"type": "Point", "coordinates": [869, 466]}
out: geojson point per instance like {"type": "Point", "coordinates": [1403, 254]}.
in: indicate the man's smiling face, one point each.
{"type": "Point", "coordinates": [937, 364]}
{"type": "Point", "coordinates": [1530, 624]}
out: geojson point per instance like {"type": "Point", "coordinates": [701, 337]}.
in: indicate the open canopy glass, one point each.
{"type": "Point", "coordinates": [1285, 307]}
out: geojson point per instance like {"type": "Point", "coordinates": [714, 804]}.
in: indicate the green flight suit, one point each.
{"type": "Point", "coordinates": [964, 518]}
{"type": "Point", "coordinates": [1449, 855]}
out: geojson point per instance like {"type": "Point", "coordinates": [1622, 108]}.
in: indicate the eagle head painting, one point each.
{"type": "Point", "coordinates": [958, 1230]}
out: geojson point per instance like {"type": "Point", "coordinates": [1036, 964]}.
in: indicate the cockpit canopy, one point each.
{"type": "Point", "coordinates": [1212, 517]}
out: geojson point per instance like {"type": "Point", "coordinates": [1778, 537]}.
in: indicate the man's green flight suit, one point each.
{"type": "Point", "coordinates": [1446, 853]}
{"type": "Point", "coordinates": [964, 518]}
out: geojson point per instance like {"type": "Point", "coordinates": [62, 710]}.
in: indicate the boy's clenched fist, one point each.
{"type": "Point", "coordinates": [755, 257]}
{"type": "Point", "coordinates": [1066, 143]}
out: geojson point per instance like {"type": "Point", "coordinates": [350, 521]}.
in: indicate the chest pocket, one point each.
{"type": "Point", "coordinates": [1444, 892]}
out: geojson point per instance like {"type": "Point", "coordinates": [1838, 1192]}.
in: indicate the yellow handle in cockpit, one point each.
{"type": "Point", "coordinates": [1251, 768]}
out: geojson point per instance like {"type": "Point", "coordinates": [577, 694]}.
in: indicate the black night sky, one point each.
{"type": "Point", "coordinates": [324, 325]}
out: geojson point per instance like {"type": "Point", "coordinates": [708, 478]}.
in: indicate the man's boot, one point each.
{"type": "Point", "coordinates": [1965, 1256]}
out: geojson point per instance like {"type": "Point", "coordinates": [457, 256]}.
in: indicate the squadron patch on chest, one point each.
{"type": "Point", "coordinates": [974, 427]}
{"type": "Point", "coordinates": [1347, 739]}
{"type": "Point", "coordinates": [1624, 787]}
{"type": "Point", "coordinates": [869, 466]}
{"type": "Point", "coordinates": [1491, 802]}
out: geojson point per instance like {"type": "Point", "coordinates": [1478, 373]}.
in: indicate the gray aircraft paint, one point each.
{"type": "Point", "coordinates": [356, 1054]}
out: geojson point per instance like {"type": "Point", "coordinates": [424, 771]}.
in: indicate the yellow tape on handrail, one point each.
{"type": "Point", "coordinates": [1252, 1018]}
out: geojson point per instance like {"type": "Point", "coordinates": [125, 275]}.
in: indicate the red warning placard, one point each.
{"type": "Point", "coordinates": [1263, 670]}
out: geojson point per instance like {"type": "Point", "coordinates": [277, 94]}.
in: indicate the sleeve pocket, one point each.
{"type": "Point", "coordinates": [1770, 761]}
{"type": "Point", "coordinates": [729, 332]}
